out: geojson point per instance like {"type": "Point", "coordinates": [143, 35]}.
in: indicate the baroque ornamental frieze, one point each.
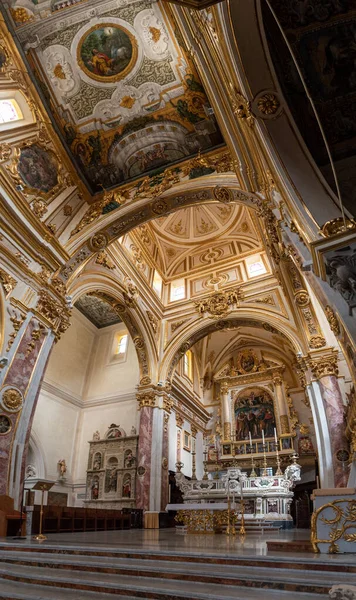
{"type": "Point", "coordinates": [220, 303]}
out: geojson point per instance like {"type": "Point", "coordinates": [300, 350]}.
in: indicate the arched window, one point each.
{"type": "Point", "coordinates": [10, 111]}
{"type": "Point", "coordinates": [188, 364]}
{"type": "Point", "coordinates": [121, 344]}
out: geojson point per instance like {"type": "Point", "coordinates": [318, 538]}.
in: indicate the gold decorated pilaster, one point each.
{"type": "Point", "coordinates": [146, 399]}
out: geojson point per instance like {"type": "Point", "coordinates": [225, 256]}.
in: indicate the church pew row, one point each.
{"type": "Point", "coordinates": [58, 519]}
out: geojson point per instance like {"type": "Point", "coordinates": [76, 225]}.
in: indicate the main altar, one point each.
{"type": "Point", "coordinates": [250, 461]}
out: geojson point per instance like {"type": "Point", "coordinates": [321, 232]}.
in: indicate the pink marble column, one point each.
{"type": "Point", "coordinates": [334, 410]}
{"type": "Point", "coordinates": [144, 458]}
{"type": "Point", "coordinates": [19, 376]}
{"type": "Point", "coordinates": [165, 455]}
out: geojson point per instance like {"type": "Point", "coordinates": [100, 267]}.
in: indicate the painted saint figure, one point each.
{"type": "Point", "coordinates": [101, 63]}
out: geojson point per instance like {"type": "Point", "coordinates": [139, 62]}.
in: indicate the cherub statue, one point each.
{"type": "Point", "coordinates": [62, 467]}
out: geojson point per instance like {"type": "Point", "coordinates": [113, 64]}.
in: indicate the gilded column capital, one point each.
{"type": "Point", "coordinates": [179, 421]}
{"type": "Point", "coordinates": [146, 399]}
{"type": "Point", "coordinates": [277, 380]}
{"type": "Point", "coordinates": [324, 366]}
{"type": "Point", "coordinates": [224, 388]}
{"type": "Point", "coordinates": [193, 430]}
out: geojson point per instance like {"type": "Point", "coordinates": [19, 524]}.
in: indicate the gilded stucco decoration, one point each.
{"type": "Point", "coordinates": [8, 282]}
{"type": "Point", "coordinates": [58, 314]}
{"type": "Point", "coordinates": [219, 303]}
{"type": "Point", "coordinates": [324, 366]}
{"type": "Point", "coordinates": [268, 105]}
{"type": "Point", "coordinates": [11, 399]}
{"type": "Point", "coordinates": [104, 260]}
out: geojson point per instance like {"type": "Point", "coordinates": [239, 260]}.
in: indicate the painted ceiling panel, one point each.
{"type": "Point", "coordinates": [97, 311]}
{"type": "Point", "coordinates": [124, 93]}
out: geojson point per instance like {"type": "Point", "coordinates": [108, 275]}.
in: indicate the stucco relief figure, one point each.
{"type": "Point", "coordinates": [62, 467]}
{"type": "Point", "coordinates": [30, 472]}
{"type": "Point", "coordinates": [96, 436]}
{"type": "Point", "coordinates": [133, 431]}
{"type": "Point", "coordinates": [112, 483]}
{"type": "Point", "coordinates": [97, 462]}
{"type": "Point", "coordinates": [95, 490]}
{"type": "Point", "coordinates": [126, 487]}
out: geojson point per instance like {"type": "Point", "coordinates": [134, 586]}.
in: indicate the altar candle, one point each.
{"type": "Point", "coordinates": [275, 436]}
{"type": "Point", "coordinates": [263, 437]}
{"type": "Point", "coordinates": [249, 433]}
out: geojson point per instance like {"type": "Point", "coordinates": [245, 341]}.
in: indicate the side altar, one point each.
{"type": "Point", "coordinates": [259, 498]}
{"type": "Point", "coordinates": [111, 472]}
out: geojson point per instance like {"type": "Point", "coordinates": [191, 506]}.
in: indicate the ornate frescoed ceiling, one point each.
{"type": "Point", "coordinates": [125, 95]}
{"type": "Point", "coordinates": [97, 311]}
{"type": "Point", "coordinates": [195, 238]}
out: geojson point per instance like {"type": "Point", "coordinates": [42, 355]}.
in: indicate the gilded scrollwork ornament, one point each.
{"type": "Point", "coordinates": [104, 260]}
{"type": "Point", "coordinates": [219, 303]}
{"type": "Point", "coordinates": [332, 320]}
{"type": "Point", "coordinates": [8, 283]}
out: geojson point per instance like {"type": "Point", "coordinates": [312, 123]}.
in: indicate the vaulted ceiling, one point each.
{"type": "Point", "coordinates": [123, 92]}
{"type": "Point", "coordinates": [195, 239]}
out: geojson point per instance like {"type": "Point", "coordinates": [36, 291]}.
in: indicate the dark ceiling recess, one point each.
{"type": "Point", "coordinates": [322, 34]}
{"type": "Point", "coordinates": [199, 4]}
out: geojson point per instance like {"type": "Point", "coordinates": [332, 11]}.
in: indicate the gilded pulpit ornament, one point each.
{"type": "Point", "coordinates": [12, 399]}
{"type": "Point", "coordinates": [219, 303]}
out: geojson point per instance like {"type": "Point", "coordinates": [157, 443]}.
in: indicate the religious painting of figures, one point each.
{"type": "Point", "coordinates": [38, 168]}
{"type": "Point", "coordinates": [254, 414]}
{"type": "Point", "coordinates": [126, 486]}
{"type": "Point", "coordinates": [111, 479]}
{"type": "Point", "coordinates": [107, 52]}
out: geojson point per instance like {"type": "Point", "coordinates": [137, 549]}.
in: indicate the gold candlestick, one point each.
{"type": "Point", "coordinates": [230, 528]}
{"type": "Point", "coordinates": [253, 472]}
{"type": "Point", "coordinates": [205, 476]}
{"type": "Point", "coordinates": [242, 530]}
{"type": "Point", "coordinates": [264, 461]}
{"type": "Point", "coordinates": [278, 461]}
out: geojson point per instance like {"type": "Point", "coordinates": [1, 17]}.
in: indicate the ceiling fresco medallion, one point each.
{"type": "Point", "coordinates": [107, 52]}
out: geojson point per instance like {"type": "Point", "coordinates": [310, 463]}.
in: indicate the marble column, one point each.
{"type": "Point", "coordinates": [146, 401]}
{"type": "Point", "coordinates": [179, 422]}
{"type": "Point", "coordinates": [325, 369]}
{"type": "Point", "coordinates": [194, 432]}
{"type": "Point", "coordinates": [164, 462]}
{"type": "Point", "coordinates": [28, 355]}
{"type": "Point", "coordinates": [281, 404]}
{"type": "Point", "coordinates": [226, 411]}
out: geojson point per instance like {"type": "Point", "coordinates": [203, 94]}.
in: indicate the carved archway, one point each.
{"type": "Point", "coordinates": [200, 328]}
{"type": "Point", "coordinates": [129, 312]}
{"type": "Point", "coordinates": [107, 228]}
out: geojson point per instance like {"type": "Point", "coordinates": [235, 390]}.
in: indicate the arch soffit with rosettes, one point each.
{"type": "Point", "coordinates": [107, 229]}
{"type": "Point", "coordinates": [197, 330]}
{"type": "Point", "coordinates": [133, 319]}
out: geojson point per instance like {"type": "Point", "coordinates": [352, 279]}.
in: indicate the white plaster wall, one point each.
{"type": "Point", "coordinates": [106, 377]}
{"type": "Point", "coordinates": [55, 426]}
{"type": "Point", "coordinates": [68, 364]}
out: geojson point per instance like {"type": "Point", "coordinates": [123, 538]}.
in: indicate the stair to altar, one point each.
{"type": "Point", "coordinates": [30, 572]}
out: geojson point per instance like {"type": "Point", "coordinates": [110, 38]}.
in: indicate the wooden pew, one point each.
{"type": "Point", "coordinates": [10, 518]}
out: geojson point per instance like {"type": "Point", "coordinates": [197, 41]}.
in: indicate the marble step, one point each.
{"type": "Point", "coordinates": [319, 562]}
{"type": "Point", "coordinates": [159, 584]}
{"type": "Point", "coordinates": [260, 576]}
{"type": "Point", "coordinates": [32, 586]}
{"type": "Point", "coordinates": [21, 591]}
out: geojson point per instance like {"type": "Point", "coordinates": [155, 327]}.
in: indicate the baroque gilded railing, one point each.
{"type": "Point", "coordinates": [334, 524]}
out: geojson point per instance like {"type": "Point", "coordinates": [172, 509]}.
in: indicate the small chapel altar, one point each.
{"type": "Point", "coordinates": [111, 472]}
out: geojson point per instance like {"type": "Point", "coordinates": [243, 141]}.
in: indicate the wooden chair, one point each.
{"type": "Point", "coordinates": [9, 518]}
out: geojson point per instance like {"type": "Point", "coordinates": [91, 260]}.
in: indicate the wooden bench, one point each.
{"type": "Point", "coordinates": [10, 519]}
